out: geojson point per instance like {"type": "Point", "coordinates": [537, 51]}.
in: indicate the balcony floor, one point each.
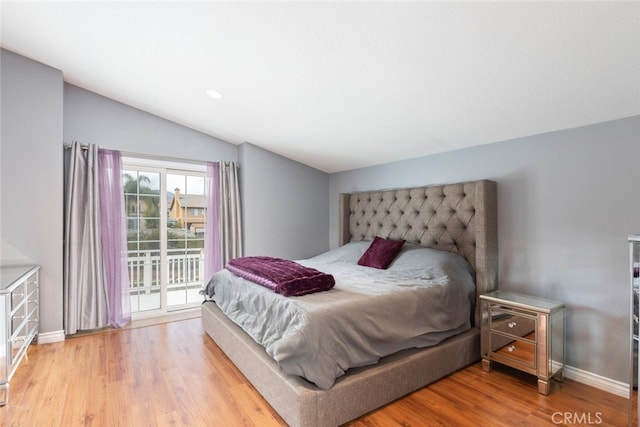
{"type": "Point", "coordinates": [175, 299]}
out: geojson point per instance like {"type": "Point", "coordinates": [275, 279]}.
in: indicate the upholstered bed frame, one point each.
{"type": "Point", "coordinates": [459, 218]}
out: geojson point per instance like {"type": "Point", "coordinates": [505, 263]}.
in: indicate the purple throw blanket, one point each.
{"type": "Point", "coordinates": [280, 275]}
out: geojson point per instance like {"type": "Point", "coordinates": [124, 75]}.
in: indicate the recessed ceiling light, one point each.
{"type": "Point", "coordinates": [214, 94]}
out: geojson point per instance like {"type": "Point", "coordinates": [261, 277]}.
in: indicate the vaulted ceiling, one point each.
{"type": "Point", "coordinates": [343, 85]}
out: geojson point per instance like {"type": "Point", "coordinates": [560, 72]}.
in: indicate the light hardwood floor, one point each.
{"type": "Point", "coordinates": [173, 374]}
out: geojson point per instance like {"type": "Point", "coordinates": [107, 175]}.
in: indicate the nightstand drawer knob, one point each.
{"type": "Point", "coordinates": [511, 348]}
{"type": "Point", "coordinates": [512, 324]}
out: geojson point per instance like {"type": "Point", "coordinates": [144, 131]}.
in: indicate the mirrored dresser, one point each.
{"type": "Point", "coordinates": [19, 319]}
{"type": "Point", "coordinates": [524, 332]}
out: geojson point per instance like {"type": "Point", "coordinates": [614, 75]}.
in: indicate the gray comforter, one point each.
{"type": "Point", "coordinates": [424, 297]}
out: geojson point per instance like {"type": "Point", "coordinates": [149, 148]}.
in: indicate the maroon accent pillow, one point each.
{"type": "Point", "coordinates": [381, 252]}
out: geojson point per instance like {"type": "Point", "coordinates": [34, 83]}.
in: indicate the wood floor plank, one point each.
{"type": "Point", "coordinates": [174, 374]}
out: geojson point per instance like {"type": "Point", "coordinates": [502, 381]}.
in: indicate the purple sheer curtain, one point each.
{"type": "Point", "coordinates": [114, 239]}
{"type": "Point", "coordinates": [212, 243]}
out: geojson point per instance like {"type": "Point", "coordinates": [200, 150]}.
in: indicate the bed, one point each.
{"type": "Point", "coordinates": [458, 218]}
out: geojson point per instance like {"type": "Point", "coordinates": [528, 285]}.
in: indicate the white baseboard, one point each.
{"type": "Point", "coordinates": [49, 337]}
{"type": "Point", "coordinates": [594, 380]}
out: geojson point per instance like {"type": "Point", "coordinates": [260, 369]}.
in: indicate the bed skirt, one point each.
{"type": "Point", "coordinates": [300, 403]}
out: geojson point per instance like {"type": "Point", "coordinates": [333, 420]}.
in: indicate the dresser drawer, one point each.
{"type": "Point", "coordinates": [514, 324]}
{"type": "Point", "coordinates": [17, 319]}
{"type": "Point", "coordinates": [519, 351]}
{"type": "Point", "coordinates": [32, 283]}
{"type": "Point", "coordinates": [32, 291]}
{"type": "Point", "coordinates": [17, 295]}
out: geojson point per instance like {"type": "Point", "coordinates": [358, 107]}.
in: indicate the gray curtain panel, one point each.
{"type": "Point", "coordinates": [223, 235]}
{"type": "Point", "coordinates": [85, 298]}
{"type": "Point", "coordinates": [212, 245]}
{"type": "Point", "coordinates": [231, 224]}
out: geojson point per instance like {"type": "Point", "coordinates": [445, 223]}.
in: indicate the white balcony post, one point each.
{"type": "Point", "coordinates": [201, 266]}
{"type": "Point", "coordinates": [148, 272]}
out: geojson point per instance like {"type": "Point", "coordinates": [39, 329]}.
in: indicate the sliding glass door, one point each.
{"type": "Point", "coordinates": [166, 217]}
{"type": "Point", "coordinates": [185, 238]}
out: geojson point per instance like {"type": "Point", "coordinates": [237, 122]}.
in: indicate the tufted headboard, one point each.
{"type": "Point", "coordinates": [460, 218]}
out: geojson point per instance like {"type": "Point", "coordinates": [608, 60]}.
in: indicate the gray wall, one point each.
{"type": "Point", "coordinates": [91, 118]}
{"type": "Point", "coordinates": [31, 175]}
{"type": "Point", "coordinates": [284, 205]}
{"type": "Point", "coordinates": [567, 201]}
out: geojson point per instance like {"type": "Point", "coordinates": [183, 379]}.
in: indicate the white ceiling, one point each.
{"type": "Point", "coordinates": [342, 85]}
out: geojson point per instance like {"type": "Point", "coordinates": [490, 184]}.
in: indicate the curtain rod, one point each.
{"type": "Point", "coordinates": [162, 158]}
{"type": "Point", "coordinates": [156, 157]}
{"type": "Point", "coordinates": [82, 146]}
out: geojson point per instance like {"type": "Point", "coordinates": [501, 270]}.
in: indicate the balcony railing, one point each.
{"type": "Point", "coordinates": [184, 270]}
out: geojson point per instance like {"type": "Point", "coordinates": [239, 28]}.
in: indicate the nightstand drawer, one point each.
{"type": "Point", "coordinates": [513, 350]}
{"type": "Point", "coordinates": [512, 323]}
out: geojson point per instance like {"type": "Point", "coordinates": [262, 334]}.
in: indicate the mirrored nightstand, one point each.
{"type": "Point", "coordinates": [524, 332]}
